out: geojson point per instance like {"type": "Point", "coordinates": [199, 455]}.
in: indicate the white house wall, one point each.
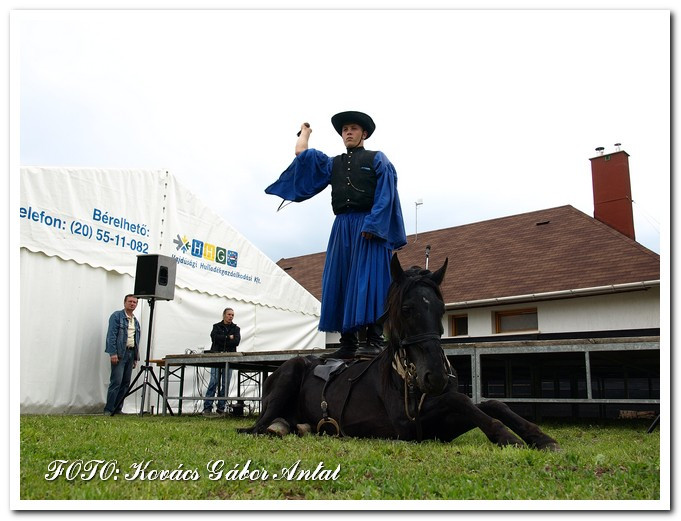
{"type": "Point", "coordinates": [630, 310]}
{"type": "Point", "coordinates": [634, 310]}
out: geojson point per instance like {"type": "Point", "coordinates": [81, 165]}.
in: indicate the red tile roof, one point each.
{"type": "Point", "coordinates": [544, 251]}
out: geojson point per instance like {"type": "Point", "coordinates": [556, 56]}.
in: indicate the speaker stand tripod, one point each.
{"type": "Point", "coordinates": [146, 369]}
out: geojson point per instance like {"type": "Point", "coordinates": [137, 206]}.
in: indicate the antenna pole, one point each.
{"type": "Point", "coordinates": [418, 203]}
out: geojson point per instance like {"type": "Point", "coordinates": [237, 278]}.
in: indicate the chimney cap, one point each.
{"type": "Point", "coordinates": [600, 150]}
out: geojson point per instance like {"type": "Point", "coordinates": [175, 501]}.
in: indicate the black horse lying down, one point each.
{"type": "Point", "coordinates": [408, 392]}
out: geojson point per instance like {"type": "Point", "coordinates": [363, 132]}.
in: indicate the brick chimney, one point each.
{"type": "Point", "coordinates": [612, 191]}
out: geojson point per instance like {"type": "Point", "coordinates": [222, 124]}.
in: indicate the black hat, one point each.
{"type": "Point", "coordinates": [352, 116]}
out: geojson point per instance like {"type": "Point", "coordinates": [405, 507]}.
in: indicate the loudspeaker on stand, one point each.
{"type": "Point", "coordinates": [155, 277]}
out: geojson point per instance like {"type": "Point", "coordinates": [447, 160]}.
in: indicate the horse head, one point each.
{"type": "Point", "coordinates": [414, 310]}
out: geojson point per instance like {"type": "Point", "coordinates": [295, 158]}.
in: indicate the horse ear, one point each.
{"type": "Point", "coordinates": [439, 275]}
{"type": "Point", "coordinates": [396, 271]}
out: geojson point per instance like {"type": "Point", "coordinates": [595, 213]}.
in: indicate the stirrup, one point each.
{"type": "Point", "coordinates": [326, 420]}
{"type": "Point", "coordinates": [329, 421]}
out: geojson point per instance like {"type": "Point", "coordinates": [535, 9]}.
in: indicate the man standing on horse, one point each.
{"type": "Point", "coordinates": [367, 228]}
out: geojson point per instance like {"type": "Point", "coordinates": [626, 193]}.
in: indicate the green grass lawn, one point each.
{"type": "Point", "coordinates": [101, 455]}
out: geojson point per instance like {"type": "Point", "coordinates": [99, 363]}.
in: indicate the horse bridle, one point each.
{"type": "Point", "coordinates": [417, 339]}
{"type": "Point", "coordinates": [405, 368]}
{"type": "Point", "coordinates": [407, 371]}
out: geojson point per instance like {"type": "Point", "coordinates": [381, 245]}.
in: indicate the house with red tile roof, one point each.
{"type": "Point", "coordinates": [546, 306]}
{"type": "Point", "coordinates": [532, 260]}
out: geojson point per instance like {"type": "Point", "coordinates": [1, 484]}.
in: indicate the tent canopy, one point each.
{"type": "Point", "coordinates": [81, 232]}
{"type": "Point", "coordinates": [105, 218]}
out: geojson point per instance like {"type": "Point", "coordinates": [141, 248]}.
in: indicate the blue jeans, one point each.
{"type": "Point", "coordinates": [119, 382]}
{"type": "Point", "coordinates": [217, 374]}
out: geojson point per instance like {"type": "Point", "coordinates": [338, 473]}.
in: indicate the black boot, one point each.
{"type": "Point", "coordinates": [374, 342]}
{"type": "Point", "coordinates": [348, 347]}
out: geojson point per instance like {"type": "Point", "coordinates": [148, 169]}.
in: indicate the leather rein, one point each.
{"type": "Point", "coordinates": [407, 371]}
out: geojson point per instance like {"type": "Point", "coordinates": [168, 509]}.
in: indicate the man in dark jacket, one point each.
{"type": "Point", "coordinates": [225, 336]}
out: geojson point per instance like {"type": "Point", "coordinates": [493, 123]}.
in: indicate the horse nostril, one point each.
{"type": "Point", "coordinates": [432, 384]}
{"type": "Point", "coordinates": [429, 382]}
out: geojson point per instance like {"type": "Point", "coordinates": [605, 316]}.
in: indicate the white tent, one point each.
{"type": "Point", "coordinates": [81, 231]}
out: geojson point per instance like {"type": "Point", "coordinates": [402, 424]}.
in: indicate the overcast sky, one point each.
{"type": "Point", "coordinates": [484, 114]}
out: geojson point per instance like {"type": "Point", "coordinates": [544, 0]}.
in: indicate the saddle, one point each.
{"type": "Point", "coordinates": [329, 368]}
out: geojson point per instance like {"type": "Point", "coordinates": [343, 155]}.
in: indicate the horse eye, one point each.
{"type": "Point", "coordinates": [406, 309]}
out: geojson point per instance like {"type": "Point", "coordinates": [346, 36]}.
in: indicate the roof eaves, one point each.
{"type": "Point", "coordinates": [556, 295]}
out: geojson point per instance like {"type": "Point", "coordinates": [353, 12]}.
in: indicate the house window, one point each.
{"type": "Point", "coordinates": [516, 320]}
{"type": "Point", "coordinates": [458, 325]}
